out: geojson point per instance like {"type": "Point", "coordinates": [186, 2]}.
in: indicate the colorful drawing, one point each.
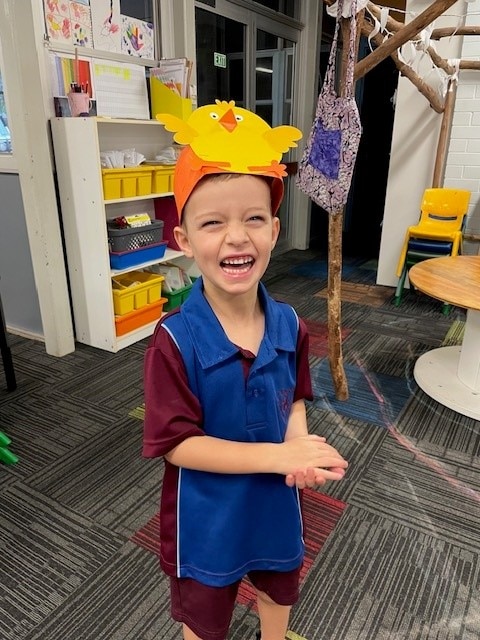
{"type": "Point", "coordinates": [137, 38]}
{"type": "Point", "coordinates": [69, 21]}
{"type": "Point", "coordinates": [106, 25]}
{"type": "Point", "coordinates": [57, 20]}
{"type": "Point", "coordinates": [79, 12]}
{"type": "Point", "coordinates": [81, 37]}
{"type": "Point", "coordinates": [58, 27]}
{"type": "Point", "coordinates": [81, 25]}
{"type": "Point", "coordinates": [58, 7]}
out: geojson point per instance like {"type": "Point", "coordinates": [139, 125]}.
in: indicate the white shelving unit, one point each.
{"type": "Point", "coordinates": [77, 144]}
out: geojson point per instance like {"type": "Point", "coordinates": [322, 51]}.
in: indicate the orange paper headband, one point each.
{"type": "Point", "coordinates": [223, 138]}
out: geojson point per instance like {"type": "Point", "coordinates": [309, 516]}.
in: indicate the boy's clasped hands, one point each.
{"type": "Point", "coordinates": [309, 462]}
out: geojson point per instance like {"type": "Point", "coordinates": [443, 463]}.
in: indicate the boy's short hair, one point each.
{"type": "Point", "coordinates": [188, 174]}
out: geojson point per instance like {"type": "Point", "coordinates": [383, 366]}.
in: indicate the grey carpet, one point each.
{"type": "Point", "coordinates": [402, 562]}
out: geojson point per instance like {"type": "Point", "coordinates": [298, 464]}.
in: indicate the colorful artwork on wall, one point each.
{"type": "Point", "coordinates": [137, 38]}
{"type": "Point", "coordinates": [81, 22]}
{"type": "Point", "coordinates": [69, 22]}
{"type": "Point", "coordinates": [106, 25]}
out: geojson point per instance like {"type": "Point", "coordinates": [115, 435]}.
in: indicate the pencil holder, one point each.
{"type": "Point", "coordinates": [79, 103]}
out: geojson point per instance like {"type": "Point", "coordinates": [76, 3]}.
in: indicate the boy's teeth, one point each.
{"type": "Point", "coordinates": [237, 261]}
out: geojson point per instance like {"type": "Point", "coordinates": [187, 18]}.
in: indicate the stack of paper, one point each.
{"type": "Point", "coordinates": [175, 74]}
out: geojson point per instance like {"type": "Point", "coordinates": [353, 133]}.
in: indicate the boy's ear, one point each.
{"type": "Point", "coordinates": [275, 230]}
{"type": "Point", "coordinates": [181, 238]}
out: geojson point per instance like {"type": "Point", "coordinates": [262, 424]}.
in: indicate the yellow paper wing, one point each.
{"type": "Point", "coordinates": [283, 137]}
{"type": "Point", "coordinates": [184, 134]}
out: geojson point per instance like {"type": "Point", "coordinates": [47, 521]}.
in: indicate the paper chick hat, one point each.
{"type": "Point", "coordinates": [223, 138]}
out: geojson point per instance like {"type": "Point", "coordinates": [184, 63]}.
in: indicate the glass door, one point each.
{"type": "Point", "coordinates": [273, 78]}
{"type": "Point", "coordinates": [274, 65]}
{"type": "Point", "coordinates": [220, 51]}
{"type": "Point", "coordinates": [248, 58]}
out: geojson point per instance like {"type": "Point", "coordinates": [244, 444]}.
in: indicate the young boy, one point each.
{"type": "Point", "coordinates": [226, 376]}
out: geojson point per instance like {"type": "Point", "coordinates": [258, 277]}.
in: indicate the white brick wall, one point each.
{"type": "Point", "coordinates": [463, 160]}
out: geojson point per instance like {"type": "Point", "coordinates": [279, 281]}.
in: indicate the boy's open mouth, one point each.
{"type": "Point", "coordinates": [237, 265]}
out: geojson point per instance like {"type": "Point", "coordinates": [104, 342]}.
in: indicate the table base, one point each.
{"type": "Point", "coordinates": [436, 373]}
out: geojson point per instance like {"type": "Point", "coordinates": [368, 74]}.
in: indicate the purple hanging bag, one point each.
{"type": "Point", "coordinates": [326, 168]}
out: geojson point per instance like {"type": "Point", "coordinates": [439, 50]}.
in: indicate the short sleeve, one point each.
{"type": "Point", "coordinates": [303, 389]}
{"type": "Point", "coordinates": [172, 411]}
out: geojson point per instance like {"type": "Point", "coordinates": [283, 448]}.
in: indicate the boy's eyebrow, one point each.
{"type": "Point", "coordinates": [214, 212]}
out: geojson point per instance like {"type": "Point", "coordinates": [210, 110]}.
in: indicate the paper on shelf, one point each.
{"type": "Point", "coordinates": [175, 74]}
{"type": "Point", "coordinates": [120, 90]}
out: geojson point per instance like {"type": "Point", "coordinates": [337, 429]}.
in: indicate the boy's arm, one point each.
{"type": "Point", "coordinates": [206, 453]}
{"type": "Point", "coordinates": [297, 422]}
{"type": "Point", "coordinates": [307, 477]}
{"type": "Point", "coordinates": [297, 458]}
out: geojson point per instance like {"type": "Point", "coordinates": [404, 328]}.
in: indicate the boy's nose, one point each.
{"type": "Point", "coordinates": [236, 234]}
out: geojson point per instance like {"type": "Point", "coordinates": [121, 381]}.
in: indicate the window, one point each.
{"type": "Point", "coordinates": [5, 139]}
{"type": "Point", "coordinates": [287, 7]}
{"type": "Point", "coordinates": [140, 9]}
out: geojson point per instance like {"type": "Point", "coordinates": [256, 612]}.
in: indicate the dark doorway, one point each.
{"type": "Point", "coordinates": [364, 211]}
{"type": "Point", "coordinates": [217, 33]}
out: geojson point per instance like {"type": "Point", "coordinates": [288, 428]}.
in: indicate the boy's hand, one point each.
{"type": "Point", "coordinates": [313, 477]}
{"type": "Point", "coordinates": [308, 461]}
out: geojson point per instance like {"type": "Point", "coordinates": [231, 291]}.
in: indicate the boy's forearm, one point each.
{"type": "Point", "coordinates": [205, 453]}
{"type": "Point", "coordinates": [297, 455]}
{"type": "Point", "coordinates": [297, 422]}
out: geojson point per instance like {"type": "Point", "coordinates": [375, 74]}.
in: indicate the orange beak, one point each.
{"type": "Point", "coordinates": [228, 121]}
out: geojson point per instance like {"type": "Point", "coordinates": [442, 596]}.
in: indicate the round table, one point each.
{"type": "Point", "coordinates": [451, 375]}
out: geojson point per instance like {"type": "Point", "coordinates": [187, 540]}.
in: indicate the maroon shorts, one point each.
{"type": "Point", "coordinates": [207, 611]}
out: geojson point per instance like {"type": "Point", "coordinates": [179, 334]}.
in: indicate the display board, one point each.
{"type": "Point", "coordinates": [98, 24]}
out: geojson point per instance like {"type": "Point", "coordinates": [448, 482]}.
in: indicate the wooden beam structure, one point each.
{"type": "Point", "coordinates": [402, 36]}
{"type": "Point", "coordinates": [402, 33]}
{"type": "Point", "coordinates": [406, 70]}
{"type": "Point", "coordinates": [446, 32]}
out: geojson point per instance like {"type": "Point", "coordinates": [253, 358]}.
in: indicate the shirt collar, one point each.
{"type": "Point", "coordinates": [212, 345]}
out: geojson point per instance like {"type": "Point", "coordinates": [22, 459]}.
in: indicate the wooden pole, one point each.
{"type": "Point", "coordinates": [444, 137]}
{"type": "Point", "coordinates": [445, 32]}
{"type": "Point", "coordinates": [335, 229]}
{"type": "Point", "coordinates": [334, 304]}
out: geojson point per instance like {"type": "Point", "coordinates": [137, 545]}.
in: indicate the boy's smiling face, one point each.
{"type": "Point", "coordinates": [229, 230]}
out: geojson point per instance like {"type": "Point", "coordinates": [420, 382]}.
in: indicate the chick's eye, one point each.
{"type": "Point", "coordinates": [238, 118]}
{"type": "Point", "coordinates": [214, 115]}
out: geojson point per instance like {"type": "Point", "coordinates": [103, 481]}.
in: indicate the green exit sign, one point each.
{"type": "Point", "coordinates": [220, 60]}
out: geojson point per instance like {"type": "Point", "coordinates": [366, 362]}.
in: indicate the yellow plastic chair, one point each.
{"type": "Point", "coordinates": [441, 219]}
